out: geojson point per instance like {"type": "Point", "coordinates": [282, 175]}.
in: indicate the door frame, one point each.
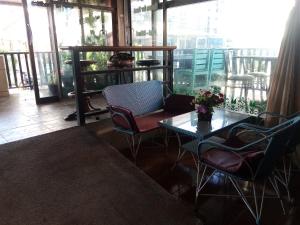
{"type": "Point", "coordinates": [53, 40]}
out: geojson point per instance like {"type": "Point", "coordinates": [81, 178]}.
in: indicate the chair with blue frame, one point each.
{"type": "Point", "coordinates": [217, 67]}
{"type": "Point", "coordinates": [283, 170]}
{"type": "Point", "coordinates": [254, 162]}
{"type": "Point", "coordinates": [197, 75]}
{"type": "Point", "coordinates": [238, 79]}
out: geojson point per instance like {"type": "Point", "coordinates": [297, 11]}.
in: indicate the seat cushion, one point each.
{"type": "Point", "coordinates": [234, 162]}
{"type": "Point", "coordinates": [231, 162]}
{"type": "Point", "coordinates": [150, 121]}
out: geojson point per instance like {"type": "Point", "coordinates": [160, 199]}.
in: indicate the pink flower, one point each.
{"type": "Point", "coordinates": [202, 109]}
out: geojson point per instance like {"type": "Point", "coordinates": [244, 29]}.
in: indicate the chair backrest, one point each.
{"type": "Point", "coordinates": [200, 61]}
{"type": "Point", "coordinates": [278, 142]}
{"type": "Point", "coordinates": [140, 97]}
{"type": "Point", "coordinates": [217, 61]}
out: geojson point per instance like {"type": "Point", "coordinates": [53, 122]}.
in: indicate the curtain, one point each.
{"type": "Point", "coordinates": [284, 93]}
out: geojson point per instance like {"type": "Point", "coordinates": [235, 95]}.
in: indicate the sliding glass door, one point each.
{"type": "Point", "coordinates": [46, 67]}
{"type": "Point", "coordinates": [51, 25]}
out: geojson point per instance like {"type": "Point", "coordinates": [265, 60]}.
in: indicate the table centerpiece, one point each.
{"type": "Point", "coordinates": [205, 100]}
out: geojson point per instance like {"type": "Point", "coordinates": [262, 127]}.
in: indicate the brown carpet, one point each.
{"type": "Point", "coordinates": [70, 177]}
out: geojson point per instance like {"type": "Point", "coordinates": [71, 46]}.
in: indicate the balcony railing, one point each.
{"type": "Point", "coordinates": [18, 70]}
{"type": "Point", "coordinates": [198, 68]}
{"type": "Point", "coordinates": [193, 68]}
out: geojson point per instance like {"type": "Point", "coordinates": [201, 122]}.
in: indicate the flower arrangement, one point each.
{"type": "Point", "coordinates": [205, 100]}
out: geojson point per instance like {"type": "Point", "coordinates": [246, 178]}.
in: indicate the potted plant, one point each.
{"type": "Point", "coordinates": [205, 100]}
{"type": "Point", "coordinates": [53, 84]}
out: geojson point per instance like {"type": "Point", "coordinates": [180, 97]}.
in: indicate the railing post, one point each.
{"type": "Point", "coordinates": [3, 80]}
{"type": "Point", "coordinates": [28, 71]}
{"type": "Point", "coordinates": [7, 70]}
{"type": "Point", "coordinates": [14, 69]}
{"type": "Point", "coordinates": [20, 68]}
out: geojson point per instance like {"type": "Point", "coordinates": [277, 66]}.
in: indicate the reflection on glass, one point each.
{"type": "Point", "coordinates": [96, 2]}
{"type": "Point", "coordinates": [47, 74]}
{"type": "Point", "coordinates": [147, 30]}
{"type": "Point", "coordinates": [68, 32]}
{"type": "Point", "coordinates": [97, 27]}
{"type": "Point", "coordinates": [188, 123]}
{"type": "Point", "coordinates": [205, 33]}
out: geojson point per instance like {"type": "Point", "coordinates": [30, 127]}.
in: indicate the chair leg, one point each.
{"type": "Point", "coordinates": [200, 179]}
{"type": "Point", "coordinates": [180, 152]}
{"type": "Point", "coordinates": [276, 189]}
{"type": "Point", "coordinates": [134, 145]}
{"type": "Point", "coordinates": [285, 178]}
{"type": "Point", "coordinates": [258, 206]}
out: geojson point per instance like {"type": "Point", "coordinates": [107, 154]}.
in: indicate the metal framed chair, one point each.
{"type": "Point", "coordinates": [198, 74]}
{"type": "Point", "coordinates": [254, 162]}
{"type": "Point", "coordinates": [234, 79]}
{"type": "Point", "coordinates": [217, 67]}
{"type": "Point", "coordinates": [283, 170]}
{"type": "Point", "coordinates": [137, 108]}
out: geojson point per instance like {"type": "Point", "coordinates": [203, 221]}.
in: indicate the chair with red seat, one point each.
{"type": "Point", "coordinates": [254, 162]}
{"type": "Point", "coordinates": [136, 108]}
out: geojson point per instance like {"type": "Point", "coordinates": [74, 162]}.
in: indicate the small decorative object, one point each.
{"type": "Point", "coordinates": [121, 60]}
{"type": "Point", "coordinates": [205, 100]}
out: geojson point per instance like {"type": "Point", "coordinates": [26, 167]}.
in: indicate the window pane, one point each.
{"type": "Point", "coordinates": [97, 27]}
{"type": "Point", "coordinates": [219, 39]}
{"type": "Point", "coordinates": [13, 33]}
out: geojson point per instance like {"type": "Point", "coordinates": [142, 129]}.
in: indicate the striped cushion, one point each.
{"type": "Point", "coordinates": [140, 97]}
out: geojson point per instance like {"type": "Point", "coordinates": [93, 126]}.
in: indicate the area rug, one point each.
{"type": "Point", "coordinates": [71, 177]}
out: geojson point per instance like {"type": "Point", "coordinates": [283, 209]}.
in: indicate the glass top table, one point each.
{"type": "Point", "coordinates": [188, 123]}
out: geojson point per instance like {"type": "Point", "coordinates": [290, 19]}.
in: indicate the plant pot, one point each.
{"type": "Point", "coordinates": [204, 116]}
{"type": "Point", "coordinates": [53, 88]}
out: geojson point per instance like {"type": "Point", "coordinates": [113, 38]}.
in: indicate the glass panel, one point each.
{"type": "Point", "coordinates": [13, 33]}
{"type": "Point", "coordinates": [11, 1]}
{"type": "Point", "coordinates": [147, 30]}
{"type": "Point", "coordinates": [97, 27]}
{"type": "Point", "coordinates": [214, 38]}
{"type": "Point", "coordinates": [47, 74]}
{"type": "Point", "coordinates": [146, 23]}
{"type": "Point", "coordinates": [97, 31]}
{"type": "Point", "coordinates": [97, 2]}
{"type": "Point", "coordinates": [188, 123]}
{"type": "Point", "coordinates": [68, 32]}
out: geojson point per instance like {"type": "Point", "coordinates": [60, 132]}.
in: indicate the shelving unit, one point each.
{"type": "Point", "coordinates": [78, 74]}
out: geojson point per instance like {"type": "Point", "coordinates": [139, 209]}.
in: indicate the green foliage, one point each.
{"type": "Point", "coordinates": [234, 104]}
{"type": "Point", "coordinates": [243, 105]}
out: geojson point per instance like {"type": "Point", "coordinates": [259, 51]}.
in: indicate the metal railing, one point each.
{"type": "Point", "coordinates": [18, 70]}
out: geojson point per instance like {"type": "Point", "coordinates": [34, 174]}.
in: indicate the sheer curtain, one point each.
{"type": "Point", "coordinates": [284, 93]}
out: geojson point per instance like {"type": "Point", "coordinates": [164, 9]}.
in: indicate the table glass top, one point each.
{"type": "Point", "coordinates": [188, 123]}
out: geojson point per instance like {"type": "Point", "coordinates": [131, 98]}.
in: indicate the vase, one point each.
{"type": "Point", "coordinates": [204, 116]}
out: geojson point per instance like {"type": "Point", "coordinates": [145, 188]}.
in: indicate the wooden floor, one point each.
{"type": "Point", "coordinates": [213, 209]}
{"type": "Point", "coordinates": [20, 118]}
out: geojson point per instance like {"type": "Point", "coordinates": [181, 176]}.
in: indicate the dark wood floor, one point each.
{"type": "Point", "coordinates": [21, 118]}
{"type": "Point", "coordinates": [213, 210]}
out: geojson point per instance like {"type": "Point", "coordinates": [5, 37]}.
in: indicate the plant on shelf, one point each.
{"type": "Point", "coordinates": [205, 100]}
{"type": "Point", "coordinates": [52, 84]}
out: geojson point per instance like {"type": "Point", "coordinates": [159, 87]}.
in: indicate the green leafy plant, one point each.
{"type": "Point", "coordinates": [243, 105]}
